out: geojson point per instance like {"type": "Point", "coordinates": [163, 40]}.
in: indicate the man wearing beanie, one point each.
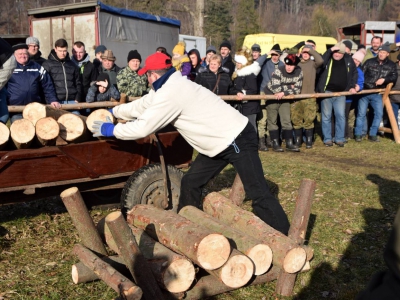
{"type": "Point", "coordinates": [378, 73]}
{"type": "Point", "coordinates": [34, 50]}
{"type": "Point", "coordinates": [209, 52]}
{"type": "Point", "coordinates": [87, 70]}
{"type": "Point", "coordinates": [219, 133]}
{"type": "Point", "coordinates": [98, 52]}
{"type": "Point", "coordinates": [128, 80]}
{"type": "Point", "coordinates": [225, 51]}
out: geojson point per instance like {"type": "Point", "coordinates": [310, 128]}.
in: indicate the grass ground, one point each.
{"type": "Point", "coordinates": [357, 196]}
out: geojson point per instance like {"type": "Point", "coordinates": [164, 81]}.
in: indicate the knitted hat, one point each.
{"type": "Point", "coordinates": [342, 47]}
{"type": "Point", "coordinates": [133, 54]}
{"type": "Point", "coordinates": [108, 54]}
{"type": "Point", "coordinates": [100, 48]}
{"type": "Point", "coordinates": [292, 60]}
{"type": "Point", "coordinates": [361, 46]}
{"type": "Point", "coordinates": [277, 49]}
{"type": "Point", "coordinates": [32, 40]}
{"type": "Point", "coordinates": [211, 49]}
{"type": "Point", "coordinates": [243, 56]}
{"type": "Point", "coordinates": [359, 55]}
{"type": "Point", "coordinates": [306, 47]}
{"type": "Point", "coordinates": [311, 41]}
{"type": "Point", "coordinates": [385, 47]}
{"type": "Point", "coordinates": [156, 61]}
{"type": "Point", "coordinates": [256, 47]}
{"type": "Point", "coordinates": [179, 48]}
{"type": "Point", "coordinates": [225, 44]}
{"type": "Point", "coordinates": [19, 46]}
{"type": "Point", "coordinates": [348, 44]}
{"type": "Point", "coordinates": [103, 77]}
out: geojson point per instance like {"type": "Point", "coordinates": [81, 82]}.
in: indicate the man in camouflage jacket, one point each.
{"type": "Point", "coordinates": [128, 80]}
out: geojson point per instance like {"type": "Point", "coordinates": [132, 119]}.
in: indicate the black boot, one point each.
{"type": "Point", "coordinates": [275, 141]}
{"type": "Point", "coordinates": [261, 144]}
{"type": "Point", "coordinates": [288, 135]}
{"type": "Point", "coordinates": [309, 138]}
{"type": "Point", "coordinates": [298, 137]}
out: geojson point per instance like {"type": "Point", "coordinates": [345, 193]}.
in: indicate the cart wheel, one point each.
{"type": "Point", "coordinates": [146, 186]}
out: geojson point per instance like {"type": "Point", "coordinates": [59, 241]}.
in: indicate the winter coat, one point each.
{"type": "Point", "coordinates": [267, 69]}
{"type": "Point", "coordinates": [95, 96]}
{"type": "Point", "coordinates": [325, 74]}
{"type": "Point", "coordinates": [88, 73]}
{"type": "Point", "coordinates": [28, 83]}
{"type": "Point", "coordinates": [208, 79]}
{"type": "Point", "coordinates": [194, 70]}
{"type": "Point", "coordinates": [112, 73]}
{"type": "Point", "coordinates": [246, 83]}
{"type": "Point", "coordinates": [130, 83]}
{"type": "Point", "coordinates": [373, 70]}
{"type": "Point", "coordinates": [228, 63]}
{"type": "Point", "coordinates": [288, 83]}
{"type": "Point", "coordinates": [396, 87]}
{"type": "Point", "coordinates": [368, 55]}
{"type": "Point", "coordinates": [38, 58]}
{"type": "Point", "coordinates": [5, 51]}
{"type": "Point", "coordinates": [309, 69]}
{"type": "Point", "coordinates": [65, 76]}
{"type": "Point", "coordinates": [360, 82]}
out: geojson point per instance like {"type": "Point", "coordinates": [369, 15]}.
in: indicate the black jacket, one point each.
{"type": "Point", "coordinates": [208, 79]}
{"type": "Point", "coordinates": [352, 73]}
{"type": "Point", "coordinates": [228, 63]}
{"type": "Point", "coordinates": [38, 58]}
{"type": "Point", "coordinates": [373, 70]}
{"type": "Point", "coordinates": [88, 73]}
{"type": "Point", "coordinates": [5, 51]}
{"type": "Point", "coordinates": [65, 76]}
{"type": "Point", "coordinates": [195, 70]}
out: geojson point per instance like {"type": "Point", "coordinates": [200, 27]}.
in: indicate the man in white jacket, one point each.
{"type": "Point", "coordinates": [217, 131]}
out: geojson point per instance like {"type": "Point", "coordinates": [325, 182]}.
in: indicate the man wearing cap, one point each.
{"type": "Point", "coordinates": [225, 51]}
{"type": "Point", "coordinates": [128, 80]}
{"type": "Point", "coordinates": [7, 66]}
{"type": "Point", "coordinates": [211, 50]}
{"type": "Point", "coordinates": [220, 134]}
{"type": "Point", "coordinates": [34, 50]}
{"type": "Point", "coordinates": [87, 70]}
{"type": "Point", "coordinates": [378, 73]}
{"type": "Point", "coordinates": [108, 66]}
{"type": "Point", "coordinates": [339, 74]}
{"type": "Point", "coordinates": [64, 73]}
{"type": "Point", "coordinates": [28, 82]}
{"type": "Point", "coordinates": [376, 43]}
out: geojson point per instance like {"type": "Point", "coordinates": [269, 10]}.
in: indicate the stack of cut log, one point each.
{"type": "Point", "coordinates": [50, 126]}
{"type": "Point", "coordinates": [157, 250]}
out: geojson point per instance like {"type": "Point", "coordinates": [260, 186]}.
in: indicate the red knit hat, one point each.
{"type": "Point", "coordinates": [156, 61]}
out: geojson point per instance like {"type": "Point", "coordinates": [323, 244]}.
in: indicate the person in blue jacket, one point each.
{"type": "Point", "coordinates": [28, 82]}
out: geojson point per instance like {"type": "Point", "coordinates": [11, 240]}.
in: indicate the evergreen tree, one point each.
{"type": "Point", "coordinates": [246, 21]}
{"type": "Point", "coordinates": [217, 22]}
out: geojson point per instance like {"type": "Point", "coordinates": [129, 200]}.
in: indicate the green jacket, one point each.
{"type": "Point", "coordinates": [131, 84]}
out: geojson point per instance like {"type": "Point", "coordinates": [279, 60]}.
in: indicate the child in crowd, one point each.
{"type": "Point", "coordinates": [180, 60]}
{"type": "Point", "coordinates": [102, 90]}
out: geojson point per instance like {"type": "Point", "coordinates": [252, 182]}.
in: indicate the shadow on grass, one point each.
{"type": "Point", "coordinates": [364, 255]}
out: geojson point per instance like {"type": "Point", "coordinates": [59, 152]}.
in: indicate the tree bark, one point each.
{"type": "Point", "coordinates": [132, 256]}
{"type": "Point", "coordinates": [108, 274]}
{"type": "Point", "coordinates": [72, 128]}
{"type": "Point", "coordinates": [22, 133]}
{"type": "Point", "coordinates": [286, 253]}
{"type": "Point", "coordinates": [98, 115]}
{"type": "Point", "coordinates": [4, 135]}
{"type": "Point", "coordinates": [297, 231]}
{"type": "Point", "coordinates": [237, 193]}
{"type": "Point", "coordinates": [207, 249]}
{"type": "Point", "coordinates": [82, 220]}
{"type": "Point", "coordinates": [47, 131]}
{"type": "Point", "coordinates": [82, 274]}
{"type": "Point", "coordinates": [259, 253]}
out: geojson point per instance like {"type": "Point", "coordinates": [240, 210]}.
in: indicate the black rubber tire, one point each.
{"type": "Point", "coordinates": [147, 185]}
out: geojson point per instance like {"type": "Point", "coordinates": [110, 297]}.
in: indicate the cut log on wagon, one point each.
{"type": "Point", "coordinates": [174, 272]}
{"type": "Point", "coordinates": [134, 259]}
{"type": "Point", "coordinates": [4, 135]}
{"type": "Point", "coordinates": [82, 220]}
{"type": "Point", "coordinates": [98, 115]}
{"type": "Point", "coordinates": [207, 249]}
{"type": "Point", "coordinates": [72, 128]}
{"type": "Point", "coordinates": [108, 274]}
{"type": "Point", "coordinates": [259, 253]}
{"type": "Point", "coordinates": [286, 253]}
{"type": "Point", "coordinates": [82, 274]}
{"type": "Point", "coordinates": [22, 133]}
{"type": "Point", "coordinates": [47, 131]}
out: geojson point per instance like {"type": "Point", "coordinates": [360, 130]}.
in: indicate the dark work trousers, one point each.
{"type": "Point", "coordinates": [243, 155]}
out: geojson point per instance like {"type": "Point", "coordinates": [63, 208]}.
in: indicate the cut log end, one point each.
{"type": "Point", "coordinates": [113, 216]}
{"type": "Point", "coordinates": [47, 131]}
{"type": "Point", "coordinates": [69, 192]}
{"type": "Point", "coordinates": [71, 127]}
{"type": "Point", "coordinates": [213, 251]}
{"type": "Point", "coordinates": [4, 134]}
{"type": "Point", "coordinates": [261, 255]}
{"type": "Point", "coordinates": [75, 275]}
{"type": "Point", "coordinates": [98, 115]}
{"type": "Point", "coordinates": [22, 133]}
{"type": "Point", "coordinates": [294, 260]}
{"type": "Point", "coordinates": [237, 271]}
{"type": "Point", "coordinates": [34, 111]}
{"type": "Point", "coordinates": [179, 276]}
{"type": "Point", "coordinates": [133, 293]}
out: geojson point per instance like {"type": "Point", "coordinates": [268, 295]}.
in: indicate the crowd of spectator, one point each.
{"type": "Point", "coordinates": [64, 79]}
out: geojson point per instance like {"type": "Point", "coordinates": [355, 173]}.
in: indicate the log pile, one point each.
{"type": "Point", "coordinates": [156, 251]}
{"type": "Point", "coordinates": [43, 125]}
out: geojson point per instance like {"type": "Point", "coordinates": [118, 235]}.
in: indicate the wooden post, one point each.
{"type": "Point", "coordinates": [82, 220]}
{"type": "Point", "coordinates": [108, 274]}
{"type": "Point", "coordinates": [297, 231]}
{"type": "Point", "coordinates": [237, 193]}
{"type": "Point", "coordinates": [132, 256]}
{"type": "Point", "coordinates": [389, 110]}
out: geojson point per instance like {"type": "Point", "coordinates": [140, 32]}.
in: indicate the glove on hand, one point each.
{"type": "Point", "coordinates": [101, 128]}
